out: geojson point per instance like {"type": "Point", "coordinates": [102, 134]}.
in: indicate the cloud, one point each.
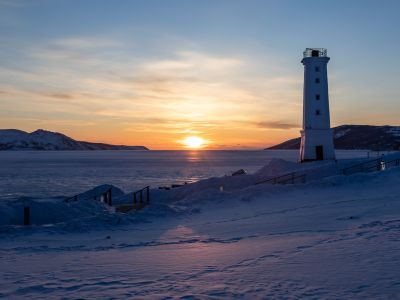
{"type": "Point", "coordinates": [85, 43]}
{"type": "Point", "coordinates": [64, 56]}
{"type": "Point", "coordinates": [193, 62]}
{"type": "Point", "coordinates": [75, 51]}
{"type": "Point", "coordinates": [276, 125]}
{"type": "Point", "coordinates": [63, 96]}
{"type": "Point", "coordinates": [178, 93]}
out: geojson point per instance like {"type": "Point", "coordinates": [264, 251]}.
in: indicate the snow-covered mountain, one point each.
{"type": "Point", "coordinates": [383, 138]}
{"type": "Point", "coordinates": [13, 139]}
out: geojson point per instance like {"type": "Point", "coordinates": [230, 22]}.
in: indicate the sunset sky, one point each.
{"type": "Point", "coordinates": [154, 73]}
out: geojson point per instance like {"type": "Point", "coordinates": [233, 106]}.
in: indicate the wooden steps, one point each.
{"type": "Point", "coordinates": [124, 208]}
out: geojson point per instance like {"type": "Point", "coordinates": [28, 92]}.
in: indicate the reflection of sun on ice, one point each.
{"type": "Point", "coordinates": [194, 142]}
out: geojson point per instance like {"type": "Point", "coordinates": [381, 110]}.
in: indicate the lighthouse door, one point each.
{"type": "Point", "coordinates": [319, 152]}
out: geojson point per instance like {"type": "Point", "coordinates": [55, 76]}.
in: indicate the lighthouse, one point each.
{"type": "Point", "coordinates": [316, 134]}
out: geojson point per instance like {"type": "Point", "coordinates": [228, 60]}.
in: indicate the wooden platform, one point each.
{"type": "Point", "coordinates": [124, 208]}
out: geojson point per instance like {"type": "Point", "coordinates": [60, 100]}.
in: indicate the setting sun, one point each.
{"type": "Point", "coordinates": [194, 142]}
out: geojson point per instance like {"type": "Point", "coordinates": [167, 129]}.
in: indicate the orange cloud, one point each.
{"type": "Point", "coordinates": [155, 102]}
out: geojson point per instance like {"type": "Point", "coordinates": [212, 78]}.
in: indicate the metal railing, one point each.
{"type": "Point", "coordinates": [291, 178]}
{"type": "Point", "coordinates": [368, 166]}
{"type": "Point", "coordinates": [392, 163]}
{"type": "Point", "coordinates": [141, 198]}
{"type": "Point", "coordinates": [144, 191]}
{"type": "Point", "coordinates": [322, 52]}
{"type": "Point", "coordinates": [378, 164]}
{"type": "Point", "coordinates": [105, 197]}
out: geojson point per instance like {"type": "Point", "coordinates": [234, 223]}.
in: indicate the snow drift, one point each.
{"type": "Point", "coordinates": [85, 210]}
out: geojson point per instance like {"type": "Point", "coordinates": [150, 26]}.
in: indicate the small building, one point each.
{"type": "Point", "coordinates": [316, 134]}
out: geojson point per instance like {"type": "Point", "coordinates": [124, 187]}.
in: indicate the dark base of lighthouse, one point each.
{"type": "Point", "coordinates": [316, 144]}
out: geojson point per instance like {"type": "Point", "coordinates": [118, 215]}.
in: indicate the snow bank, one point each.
{"type": "Point", "coordinates": [90, 213]}
{"type": "Point", "coordinates": [277, 167]}
{"type": "Point", "coordinates": [47, 211]}
{"type": "Point", "coordinates": [95, 192]}
{"type": "Point", "coordinates": [85, 213]}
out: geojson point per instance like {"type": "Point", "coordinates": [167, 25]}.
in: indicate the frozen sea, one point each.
{"type": "Point", "coordinates": [64, 173]}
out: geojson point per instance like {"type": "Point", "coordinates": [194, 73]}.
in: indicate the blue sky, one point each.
{"type": "Point", "coordinates": [154, 72]}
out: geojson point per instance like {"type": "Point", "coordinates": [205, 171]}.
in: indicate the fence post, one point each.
{"type": "Point", "coordinates": [104, 197]}
{"type": "Point", "coordinates": [148, 194]}
{"type": "Point", "coordinates": [134, 198]}
{"type": "Point", "coordinates": [110, 197]}
{"type": "Point", "coordinates": [141, 196]}
{"type": "Point", "coordinates": [27, 214]}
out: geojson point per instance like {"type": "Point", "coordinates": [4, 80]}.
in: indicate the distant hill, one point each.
{"type": "Point", "coordinates": [13, 139]}
{"type": "Point", "coordinates": [352, 137]}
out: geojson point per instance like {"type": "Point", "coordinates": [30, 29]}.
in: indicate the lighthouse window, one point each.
{"type": "Point", "coordinates": [317, 97]}
{"type": "Point", "coordinates": [317, 80]}
{"type": "Point", "coordinates": [316, 69]}
{"type": "Point", "coordinates": [317, 112]}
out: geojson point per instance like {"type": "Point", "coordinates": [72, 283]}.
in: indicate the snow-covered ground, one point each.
{"type": "Point", "coordinates": [334, 237]}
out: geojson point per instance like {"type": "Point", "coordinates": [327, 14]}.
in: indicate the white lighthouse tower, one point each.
{"type": "Point", "coordinates": [316, 135]}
